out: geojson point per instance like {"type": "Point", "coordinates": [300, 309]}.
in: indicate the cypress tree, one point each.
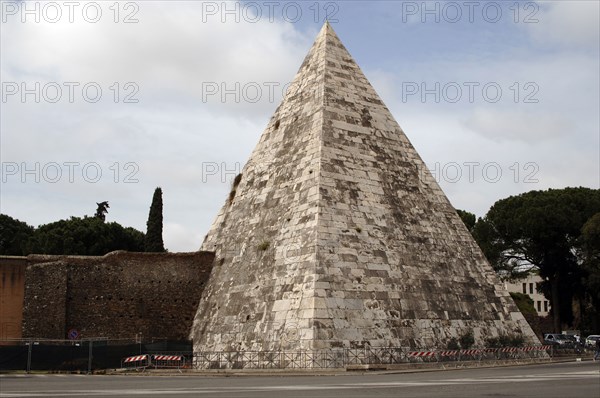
{"type": "Point", "coordinates": [154, 240]}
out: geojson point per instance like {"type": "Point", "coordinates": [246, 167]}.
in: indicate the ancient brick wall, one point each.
{"type": "Point", "coordinates": [44, 307]}
{"type": "Point", "coordinates": [118, 295]}
{"type": "Point", "coordinates": [12, 283]}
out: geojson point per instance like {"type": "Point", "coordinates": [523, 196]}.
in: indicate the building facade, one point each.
{"type": "Point", "coordinates": [529, 286]}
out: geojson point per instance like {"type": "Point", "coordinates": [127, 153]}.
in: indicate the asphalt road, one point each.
{"type": "Point", "coordinates": [563, 380]}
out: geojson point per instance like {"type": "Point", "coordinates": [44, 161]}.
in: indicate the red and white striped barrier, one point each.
{"type": "Point", "coordinates": [452, 353]}
{"type": "Point", "coordinates": [536, 348]}
{"type": "Point", "coordinates": [168, 357]}
{"type": "Point", "coordinates": [470, 352]}
{"type": "Point", "coordinates": [421, 354]}
{"type": "Point", "coordinates": [136, 358]}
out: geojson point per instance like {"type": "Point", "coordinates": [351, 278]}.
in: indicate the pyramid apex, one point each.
{"type": "Point", "coordinates": [326, 29]}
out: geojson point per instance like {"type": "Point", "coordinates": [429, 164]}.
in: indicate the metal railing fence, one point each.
{"type": "Point", "coordinates": [345, 357]}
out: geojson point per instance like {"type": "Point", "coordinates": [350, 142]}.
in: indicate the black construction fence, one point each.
{"type": "Point", "coordinates": [89, 355]}
{"type": "Point", "coordinates": [83, 355]}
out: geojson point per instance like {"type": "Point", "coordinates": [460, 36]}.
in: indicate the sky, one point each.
{"type": "Point", "coordinates": [105, 101]}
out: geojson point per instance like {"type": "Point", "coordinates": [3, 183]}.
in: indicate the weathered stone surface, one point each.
{"type": "Point", "coordinates": [117, 295]}
{"type": "Point", "coordinates": [338, 236]}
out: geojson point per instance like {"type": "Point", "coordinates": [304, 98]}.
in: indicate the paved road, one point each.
{"type": "Point", "coordinates": [566, 380]}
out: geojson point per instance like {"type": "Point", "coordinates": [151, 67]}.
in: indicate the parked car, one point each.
{"type": "Point", "coordinates": [560, 340]}
{"type": "Point", "coordinates": [590, 341]}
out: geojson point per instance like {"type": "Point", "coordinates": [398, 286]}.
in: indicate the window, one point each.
{"type": "Point", "coordinates": [531, 288]}
{"type": "Point", "coordinates": [524, 288]}
{"type": "Point", "coordinates": [539, 306]}
{"type": "Point", "coordinates": [545, 306]}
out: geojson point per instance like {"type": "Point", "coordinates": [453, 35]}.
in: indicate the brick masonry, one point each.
{"type": "Point", "coordinates": [12, 281]}
{"type": "Point", "coordinates": [337, 235]}
{"type": "Point", "coordinates": [117, 295]}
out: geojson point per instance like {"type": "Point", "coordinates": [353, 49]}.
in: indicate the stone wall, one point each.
{"type": "Point", "coordinates": [12, 282]}
{"type": "Point", "coordinates": [118, 295]}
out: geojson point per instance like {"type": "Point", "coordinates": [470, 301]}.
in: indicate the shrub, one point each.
{"type": "Point", "coordinates": [467, 340]}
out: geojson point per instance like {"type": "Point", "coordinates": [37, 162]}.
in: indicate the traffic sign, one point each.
{"type": "Point", "coordinates": [73, 334]}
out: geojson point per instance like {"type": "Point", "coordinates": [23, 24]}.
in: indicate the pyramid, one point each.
{"type": "Point", "coordinates": [336, 235]}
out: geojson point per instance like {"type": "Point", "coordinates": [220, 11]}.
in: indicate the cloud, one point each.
{"type": "Point", "coordinates": [170, 54]}
{"type": "Point", "coordinates": [570, 24]}
{"type": "Point", "coordinates": [518, 125]}
{"type": "Point", "coordinates": [178, 237]}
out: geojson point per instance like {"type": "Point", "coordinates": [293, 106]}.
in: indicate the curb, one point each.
{"type": "Point", "coordinates": [348, 371]}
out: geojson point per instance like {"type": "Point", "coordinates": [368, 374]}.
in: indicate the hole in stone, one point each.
{"type": "Point", "coordinates": [276, 125]}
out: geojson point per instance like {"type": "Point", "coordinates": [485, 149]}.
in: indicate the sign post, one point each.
{"type": "Point", "coordinates": [90, 357]}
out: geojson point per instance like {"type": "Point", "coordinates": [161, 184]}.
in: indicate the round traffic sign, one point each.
{"type": "Point", "coordinates": [73, 334]}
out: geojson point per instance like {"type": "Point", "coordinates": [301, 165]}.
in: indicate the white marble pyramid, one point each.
{"type": "Point", "coordinates": [337, 235]}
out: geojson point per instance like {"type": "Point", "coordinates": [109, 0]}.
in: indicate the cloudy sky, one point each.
{"type": "Point", "coordinates": [107, 102]}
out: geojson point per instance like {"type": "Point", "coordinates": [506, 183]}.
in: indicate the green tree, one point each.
{"type": "Point", "coordinates": [154, 240]}
{"type": "Point", "coordinates": [84, 236]}
{"type": "Point", "coordinates": [542, 229]}
{"type": "Point", "coordinates": [14, 236]}
{"type": "Point", "coordinates": [590, 251]}
{"type": "Point", "coordinates": [467, 218]}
